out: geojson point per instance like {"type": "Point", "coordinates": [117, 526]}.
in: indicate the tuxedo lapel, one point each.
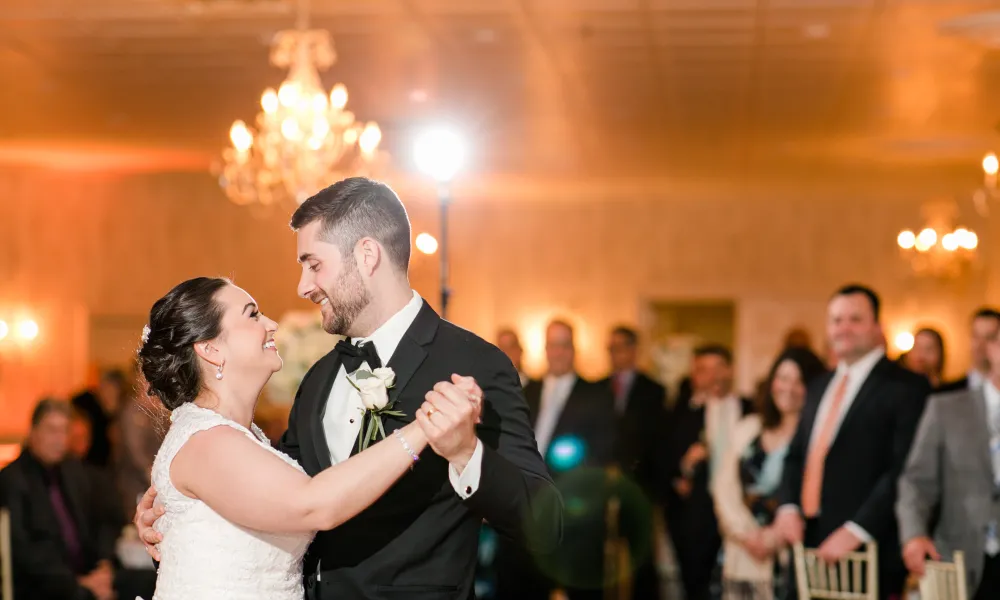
{"type": "Point", "coordinates": [867, 391]}
{"type": "Point", "coordinates": [410, 354]}
{"type": "Point", "coordinates": [319, 394]}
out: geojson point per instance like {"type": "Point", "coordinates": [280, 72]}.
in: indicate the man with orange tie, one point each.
{"type": "Point", "coordinates": [838, 487]}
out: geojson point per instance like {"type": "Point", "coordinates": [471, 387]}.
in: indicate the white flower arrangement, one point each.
{"type": "Point", "coordinates": [301, 343]}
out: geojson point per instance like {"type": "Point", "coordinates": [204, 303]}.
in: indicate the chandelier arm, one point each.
{"type": "Point", "coordinates": [302, 18]}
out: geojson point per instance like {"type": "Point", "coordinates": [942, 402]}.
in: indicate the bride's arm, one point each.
{"type": "Point", "coordinates": [252, 487]}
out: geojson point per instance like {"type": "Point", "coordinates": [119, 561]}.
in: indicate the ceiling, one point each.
{"type": "Point", "coordinates": [541, 86]}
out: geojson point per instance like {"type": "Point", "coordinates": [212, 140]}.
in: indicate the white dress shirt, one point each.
{"type": "Point", "coordinates": [856, 373]}
{"type": "Point", "coordinates": [555, 393]}
{"type": "Point", "coordinates": [343, 413]}
{"type": "Point", "coordinates": [975, 379]}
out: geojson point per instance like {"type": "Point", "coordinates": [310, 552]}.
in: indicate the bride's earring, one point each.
{"type": "Point", "coordinates": [218, 370]}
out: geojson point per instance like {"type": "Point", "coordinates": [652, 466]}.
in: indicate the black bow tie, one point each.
{"type": "Point", "coordinates": [354, 356]}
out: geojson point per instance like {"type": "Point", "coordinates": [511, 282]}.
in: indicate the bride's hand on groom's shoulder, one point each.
{"type": "Point", "coordinates": [145, 515]}
{"type": "Point", "coordinates": [448, 418]}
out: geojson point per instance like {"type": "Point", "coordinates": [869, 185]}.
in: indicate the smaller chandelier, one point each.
{"type": "Point", "coordinates": [938, 253]}
{"type": "Point", "coordinates": [304, 138]}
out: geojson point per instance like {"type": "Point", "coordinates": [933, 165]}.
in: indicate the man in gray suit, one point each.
{"type": "Point", "coordinates": [954, 465]}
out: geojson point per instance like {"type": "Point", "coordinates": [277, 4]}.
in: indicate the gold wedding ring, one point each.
{"type": "Point", "coordinates": [430, 411]}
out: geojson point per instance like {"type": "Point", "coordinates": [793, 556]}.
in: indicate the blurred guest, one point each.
{"type": "Point", "coordinates": [927, 355]}
{"type": "Point", "coordinates": [574, 429]}
{"type": "Point", "coordinates": [839, 481]}
{"type": "Point", "coordinates": [102, 407]}
{"type": "Point", "coordinates": [798, 337]}
{"type": "Point", "coordinates": [699, 431]}
{"type": "Point", "coordinates": [111, 511]}
{"type": "Point", "coordinates": [62, 547]}
{"type": "Point", "coordinates": [985, 325]}
{"type": "Point", "coordinates": [139, 440]}
{"type": "Point", "coordinates": [745, 489]}
{"type": "Point", "coordinates": [640, 403]}
{"type": "Point", "coordinates": [939, 473]}
{"type": "Point", "coordinates": [510, 344]}
{"type": "Point", "coordinates": [80, 434]}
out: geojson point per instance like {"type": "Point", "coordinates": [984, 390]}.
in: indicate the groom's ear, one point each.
{"type": "Point", "coordinates": [368, 254]}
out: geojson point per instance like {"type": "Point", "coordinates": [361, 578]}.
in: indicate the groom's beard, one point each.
{"type": "Point", "coordinates": [348, 298]}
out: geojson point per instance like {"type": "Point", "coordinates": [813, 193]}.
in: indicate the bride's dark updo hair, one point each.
{"type": "Point", "coordinates": [188, 314]}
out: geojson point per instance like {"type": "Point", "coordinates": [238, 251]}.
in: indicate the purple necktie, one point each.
{"type": "Point", "coordinates": [66, 524]}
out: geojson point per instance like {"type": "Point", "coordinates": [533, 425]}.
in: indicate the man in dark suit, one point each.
{"type": "Point", "coordinates": [62, 545]}
{"type": "Point", "coordinates": [510, 344]}
{"type": "Point", "coordinates": [640, 407]}
{"type": "Point", "coordinates": [419, 540]}
{"type": "Point", "coordinates": [985, 326]}
{"type": "Point", "coordinates": [574, 429]}
{"type": "Point", "coordinates": [839, 483]}
{"type": "Point", "coordinates": [697, 434]}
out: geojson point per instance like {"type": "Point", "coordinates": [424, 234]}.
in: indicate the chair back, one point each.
{"type": "Point", "coordinates": [6, 562]}
{"type": "Point", "coordinates": [854, 577]}
{"type": "Point", "coordinates": [945, 581]}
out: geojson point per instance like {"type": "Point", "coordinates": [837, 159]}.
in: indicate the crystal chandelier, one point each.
{"type": "Point", "coordinates": [938, 249]}
{"type": "Point", "coordinates": [304, 139]}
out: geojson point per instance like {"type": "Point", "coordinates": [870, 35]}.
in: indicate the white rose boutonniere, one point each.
{"type": "Point", "coordinates": [373, 387]}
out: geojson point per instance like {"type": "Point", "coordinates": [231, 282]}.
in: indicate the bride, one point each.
{"type": "Point", "coordinates": [237, 514]}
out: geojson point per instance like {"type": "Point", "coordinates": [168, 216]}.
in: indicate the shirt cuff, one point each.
{"type": "Point", "coordinates": [467, 483]}
{"type": "Point", "coordinates": [858, 532]}
{"type": "Point", "coordinates": [788, 507]}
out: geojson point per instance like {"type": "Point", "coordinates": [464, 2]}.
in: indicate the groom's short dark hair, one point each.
{"type": "Point", "coordinates": [357, 207]}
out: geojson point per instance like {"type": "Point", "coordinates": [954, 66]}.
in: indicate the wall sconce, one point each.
{"type": "Point", "coordinates": [25, 330]}
{"type": "Point", "coordinates": [904, 341]}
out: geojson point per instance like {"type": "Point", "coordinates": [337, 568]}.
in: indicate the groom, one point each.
{"type": "Point", "coordinates": [420, 540]}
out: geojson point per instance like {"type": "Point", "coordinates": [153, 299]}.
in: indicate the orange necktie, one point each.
{"type": "Point", "coordinates": [812, 478]}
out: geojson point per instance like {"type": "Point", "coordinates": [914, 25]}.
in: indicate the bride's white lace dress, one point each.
{"type": "Point", "coordinates": [205, 556]}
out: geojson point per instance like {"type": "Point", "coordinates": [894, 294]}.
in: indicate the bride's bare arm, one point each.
{"type": "Point", "coordinates": [252, 487]}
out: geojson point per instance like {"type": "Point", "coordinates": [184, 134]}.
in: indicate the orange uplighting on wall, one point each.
{"type": "Point", "coordinates": [34, 362]}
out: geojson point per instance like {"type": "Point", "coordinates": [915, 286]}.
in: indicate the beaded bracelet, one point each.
{"type": "Point", "coordinates": [406, 446]}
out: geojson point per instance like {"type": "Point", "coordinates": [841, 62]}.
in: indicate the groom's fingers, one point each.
{"type": "Point", "coordinates": [442, 411]}
{"type": "Point", "coordinates": [458, 398]}
{"type": "Point", "coordinates": [431, 430]}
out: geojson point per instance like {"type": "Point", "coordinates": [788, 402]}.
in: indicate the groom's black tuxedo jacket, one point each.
{"type": "Point", "coordinates": [420, 539]}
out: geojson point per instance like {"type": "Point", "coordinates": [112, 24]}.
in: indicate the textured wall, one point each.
{"type": "Point", "coordinates": [89, 254]}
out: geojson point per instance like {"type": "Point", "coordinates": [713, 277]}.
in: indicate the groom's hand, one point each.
{"type": "Point", "coordinates": [449, 416]}
{"type": "Point", "coordinates": [145, 515]}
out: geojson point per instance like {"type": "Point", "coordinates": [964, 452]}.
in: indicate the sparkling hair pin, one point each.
{"type": "Point", "coordinates": [145, 333]}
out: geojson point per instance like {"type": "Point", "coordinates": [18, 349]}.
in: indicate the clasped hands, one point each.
{"type": "Point", "coordinates": [448, 417]}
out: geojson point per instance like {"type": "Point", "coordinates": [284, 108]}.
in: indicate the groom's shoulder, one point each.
{"type": "Point", "coordinates": [469, 343]}
{"type": "Point", "coordinates": [453, 334]}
